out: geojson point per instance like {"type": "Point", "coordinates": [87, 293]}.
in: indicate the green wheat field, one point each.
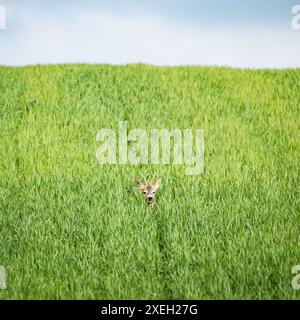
{"type": "Point", "coordinates": [71, 228]}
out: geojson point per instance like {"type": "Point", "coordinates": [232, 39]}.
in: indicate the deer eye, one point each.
{"type": "Point", "coordinates": [153, 192]}
{"type": "Point", "coordinates": [145, 192]}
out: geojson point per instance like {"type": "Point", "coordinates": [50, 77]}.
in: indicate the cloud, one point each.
{"type": "Point", "coordinates": [99, 37]}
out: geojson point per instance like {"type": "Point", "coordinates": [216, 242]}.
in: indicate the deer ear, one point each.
{"type": "Point", "coordinates": [156, 185]}
{"type": "Point", "coordinates": [139, 184]}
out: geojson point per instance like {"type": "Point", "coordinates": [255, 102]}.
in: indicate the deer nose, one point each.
{"type": "Point", "coordinates": [150, 198]}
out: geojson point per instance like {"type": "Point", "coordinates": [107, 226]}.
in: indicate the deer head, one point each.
{"type": "Point", "coordinates": [149, 189]}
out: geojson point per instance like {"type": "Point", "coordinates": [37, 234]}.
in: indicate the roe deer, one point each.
{"type": "Point", "coordinates": [149, 190]}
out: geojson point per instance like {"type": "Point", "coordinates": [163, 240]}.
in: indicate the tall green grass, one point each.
{"type": "Point", "coordinates": [72, 228]}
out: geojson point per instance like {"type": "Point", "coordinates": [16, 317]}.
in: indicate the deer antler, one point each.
{"type": "Point", "coordinates": [152, 178]}
{"type": "Point", "coordinates": [145, 181]}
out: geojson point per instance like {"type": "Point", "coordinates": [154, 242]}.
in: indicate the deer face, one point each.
{"type": "Point", "coordinates": [148, 190]}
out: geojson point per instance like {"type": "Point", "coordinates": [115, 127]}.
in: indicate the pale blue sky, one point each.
{"type": "Point", "coordinates": [248, 33]}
